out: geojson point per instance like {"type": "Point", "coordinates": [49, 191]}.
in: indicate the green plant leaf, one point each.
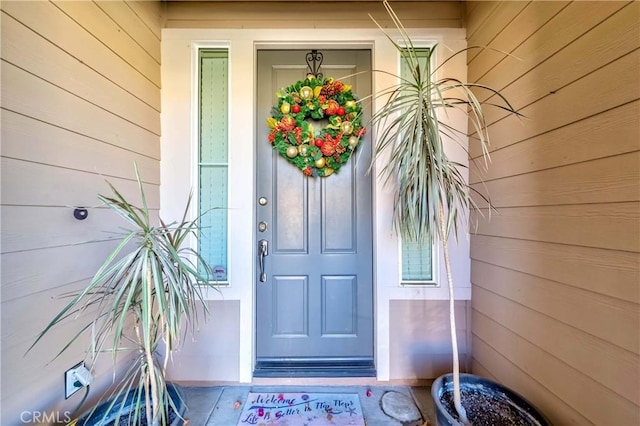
{"type": "Point", "coordinates": [147, 289]}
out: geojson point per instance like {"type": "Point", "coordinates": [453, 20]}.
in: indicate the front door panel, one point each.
{"type": "Point", "coordinates": [314, 311]}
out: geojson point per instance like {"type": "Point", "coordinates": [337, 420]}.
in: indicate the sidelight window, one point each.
{"type": "Point", "coordinates": [416, 258]}
{"type": "Point", "coordinates": [213, 163]}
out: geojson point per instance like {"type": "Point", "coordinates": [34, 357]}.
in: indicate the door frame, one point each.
{"type": "Point", "coordinates": [179, 141]}
{"type": "Point", "coordinates": [369, 46]}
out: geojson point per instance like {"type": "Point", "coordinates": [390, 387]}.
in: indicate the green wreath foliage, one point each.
{"type": "Point", "coordinates": [296, 125]}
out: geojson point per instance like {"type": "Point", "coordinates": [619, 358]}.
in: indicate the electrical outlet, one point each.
{"type": "Point", "coordinates": [76, 378]}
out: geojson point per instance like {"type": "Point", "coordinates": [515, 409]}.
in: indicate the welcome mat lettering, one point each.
{"type": "Point", "coordinates": [301, 409]}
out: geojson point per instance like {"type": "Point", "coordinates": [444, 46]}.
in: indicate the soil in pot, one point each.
{"type": "Point", "coordinates": [487, 410]}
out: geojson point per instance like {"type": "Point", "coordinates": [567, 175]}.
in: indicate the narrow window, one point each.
{"type": "Point", "coordinates": [416, 258]}
{"type": "Point", "coordinates": [417, 263]}
{"type": "Point", "coordinates": [213, 164]}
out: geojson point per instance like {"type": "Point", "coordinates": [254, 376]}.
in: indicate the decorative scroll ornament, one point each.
{"type": "Point", "coordinates": [316, 125]}
{"type": "Point", "coordinates": [314, 62]}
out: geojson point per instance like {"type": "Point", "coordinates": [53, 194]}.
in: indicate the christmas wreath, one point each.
{"type": "Point", "coordinates": [314, 150]}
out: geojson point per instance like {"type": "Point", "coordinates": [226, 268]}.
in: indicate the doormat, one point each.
{"type": "Point", "coordinates": [302, 409]}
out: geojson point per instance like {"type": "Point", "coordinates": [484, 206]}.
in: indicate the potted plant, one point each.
{"type": "Point", "coordinates": [146, 293]}
{"type": "Point", "coordinates": [432, 197]}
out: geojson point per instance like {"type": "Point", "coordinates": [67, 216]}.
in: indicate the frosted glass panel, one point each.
{"type": "Point", "coordinates": [213, 108]}
{"type": "Point", "coordinates": [416, 262]}
{"type": "Point", "coordinates": [213, 223]}
{"type": "Point", "coordinates": [422, 53]}
{"type": "Point", "coordinates": [416, 257]}
{"type": "Point", "coordinates": [213, 160]}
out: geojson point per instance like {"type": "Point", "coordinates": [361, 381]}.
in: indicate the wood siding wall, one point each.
{"type": "Point", "coordinates": [311, 14]}
{"type": "Point", "coordinates": [555, 304]}
{"type": "Point", "coordinates": [80, 104]}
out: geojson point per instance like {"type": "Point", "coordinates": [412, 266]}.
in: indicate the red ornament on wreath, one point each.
{"type": "Point", "coordinates": [299, 135]}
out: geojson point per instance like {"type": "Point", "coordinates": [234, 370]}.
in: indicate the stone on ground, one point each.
{"type": "Point", "coordinates": [400, 407]}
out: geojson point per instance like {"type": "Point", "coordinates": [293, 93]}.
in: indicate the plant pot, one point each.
{"type": "Point", "coordinates": [103, 416]}
{"type": "Point", "coordinates": [486, 398]}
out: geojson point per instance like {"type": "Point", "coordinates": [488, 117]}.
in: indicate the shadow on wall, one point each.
{"type": "Point", "coordinates": [420, 341]}
{"type": "Point", "coordinates": [213, 353]}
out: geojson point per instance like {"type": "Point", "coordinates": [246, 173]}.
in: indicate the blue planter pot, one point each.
{"type": "Point", "coordinates": [102, 415]}
{"type": "Point", "coordinates": [483, 388]}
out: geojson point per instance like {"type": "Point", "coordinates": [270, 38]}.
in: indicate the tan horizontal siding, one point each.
{"type": "Point", "coordinates": [22, 324]}
{"type": "Point", "coordinates": [37, 228]}
{"type": "Point", "coordinates": [611, 273]}
{"type": "Point", "coordinates": [573, 143]}
{"type": "Point", "coordinates": [31, 226]}
{"type": "Point", "coordinates": [517, 31]}
{"type": "Point", "coordinates": [556, 269]}
{"type": "Point", "coordinates": [46, 19]}
{"type": "Point", "coordinates": [589, 312]}
{"type": "Point", "coordinates": [477, 14]}
{"type": "Point", "coordinates": [149, 13]}
{"type": "Point", "coordinates": [47, 143]}
{"type": "Point", "coordinates": [605, 180]}
{"type": "Point", "coordinates": [27, 320]}
{"type": "Point", "coordinates": [607, 42]}
{"type": "Point", "coordinates": [51, 268]}
{"type": "Point", "coordinates": [46, 186]}
{"type": "Point", "coordinates": [549, 38]}
{"type": "Point", "coordinates": [80, 105]}
{"type": "Point", "coordinates": [593, 94]}
{"type": "Point", "coordinates": [490, 362]}
{"type": "Point", "coordinates": [31, 52]}
{"type": "Point", "coordinates": [579, 391]}
{"type": "Point", "coordinates": [613, 226]}
{"type": "Point", "coordinates": [100, 25]}
{"type": "Point", "coordinates": [36, 98]}
{"type": "Point", "coordinates": [311, 14]}
{"type": "Point", "coordinates": [569, 344]}
{"type": "Point", "coordinates": [503, 12]}
{"type": "Point", "coordinates": [131, 23]}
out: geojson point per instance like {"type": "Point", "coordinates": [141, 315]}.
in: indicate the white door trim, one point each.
{"type": "Point", "coordinates": [176, 167]}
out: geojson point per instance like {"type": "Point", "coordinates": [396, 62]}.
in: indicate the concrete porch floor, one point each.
{"type": "Point", "coordinates": [214, 405]}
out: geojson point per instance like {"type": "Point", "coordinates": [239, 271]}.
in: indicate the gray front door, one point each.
{"type": "Point", "coordinates": [314, 312]}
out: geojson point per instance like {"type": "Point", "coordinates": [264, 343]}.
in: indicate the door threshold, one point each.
{"type": "Point", "coordinates": [314, 368]}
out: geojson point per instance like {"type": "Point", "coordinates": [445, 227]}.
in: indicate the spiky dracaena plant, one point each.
{"type": "Point", "coordinates": [146, 291]}
{"type": "Point", "coordinates": [432, 197]}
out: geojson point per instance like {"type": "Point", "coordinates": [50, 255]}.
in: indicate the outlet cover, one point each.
{"type": "Point", "coordinates": [70, 381]}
